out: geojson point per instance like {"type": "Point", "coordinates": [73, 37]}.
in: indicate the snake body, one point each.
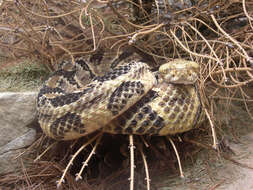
{"type": "Point", "coordinates": [130, 99]}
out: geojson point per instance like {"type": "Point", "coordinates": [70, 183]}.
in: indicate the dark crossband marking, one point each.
{"type": "Point", "coordinates": [122, 94]}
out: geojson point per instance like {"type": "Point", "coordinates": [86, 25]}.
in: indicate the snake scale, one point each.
{"type": "Point", "coordinates": [130, 99]}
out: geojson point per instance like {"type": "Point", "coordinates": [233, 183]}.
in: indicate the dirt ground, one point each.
{"type": "Point", "coordinates": [223, 175]}
{"type": "Point", "coordinates": [235, 177]}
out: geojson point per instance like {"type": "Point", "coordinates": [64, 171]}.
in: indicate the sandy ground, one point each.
{"type": "Point", "coordinates": [222, 174]}
{"type": "Point", "coordinates": [235, 177]}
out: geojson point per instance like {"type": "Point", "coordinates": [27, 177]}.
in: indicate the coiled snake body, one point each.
{"type": "Point", "coordinates": [130, 99]}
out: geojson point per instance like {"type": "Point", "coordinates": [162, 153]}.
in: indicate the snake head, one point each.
{"type": "Point", "coordinates": [179, 71]}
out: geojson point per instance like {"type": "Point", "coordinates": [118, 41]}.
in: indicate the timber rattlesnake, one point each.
{"type": "Point", "coordinates": [130, 99]}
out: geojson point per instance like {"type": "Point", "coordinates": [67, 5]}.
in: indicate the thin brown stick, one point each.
{"type": "Point", "coordinates": [144, 32]}
{"type": "Point", "coordinates": [66, 50]}
{"type": "Point", "coordinates": [73, 157]}
{"type": "Point", "coordinates": [132, 166]}
{"type": "Point", "coordinates": [44, 152]}
{"type": "Point", "coordinates": [85, 163]}
{"type": "Point", "coordinates": [34, 144]}
{"type": "Point", "coordinates": [247, 14]}
{"type": "Point", "coordinates": [234, 69]}
{"type": "Point", "coordinates": [145, 166]}
{"type": "Point", "coordinates": [127, 21]}
{"type": "Point", "coordinates": [177, 155]}
{"type": "Point", "coordinates": [234, 41]}
{"type": "Point", "coordinates": [215, 143]}
{"type": "Point", "coordinates": [144, 141]}
{"type": "Point", "coordinates": [45, 16]}
{"type": "Point", "coordinates": [217, 185]}
{"type": "Point", "coordinates": [189, 51]}
{"type": "Point", "coordinates": [92, 32]}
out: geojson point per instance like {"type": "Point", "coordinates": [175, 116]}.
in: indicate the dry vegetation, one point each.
{"type": "Point", "coordinates": [216, 34]}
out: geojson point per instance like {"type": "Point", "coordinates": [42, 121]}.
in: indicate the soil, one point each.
{"type": "Point", "coordinates": [222, 175]}
{"type": "Point", "coordinates": [235, 177]}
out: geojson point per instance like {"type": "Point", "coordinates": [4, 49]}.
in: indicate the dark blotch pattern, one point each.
{"type": "Point", "coordinates": [133, 123]}
{"type": "Point", "coordinates": [162, 104]}
{"type": "Point", "coordinates": [151, 131]}
{"type": "Point", "coordinates": [121, 57]}
{"type": "Point", "coordinates": [140, 130]}
{"type": "Point", "coordinates": [185, 108]}
{"type": "Point", "coordinates": [187, 100]}
{"type": "Point", "coordinates": [65, 99]}
{"type": "Point", "coordinates": [172, 102]}
{"type": "Point", "coordinates": [181, 101]}
{"type": "Point", "coordinates": [145, 123]}
{"type": "Point", "coordinates": [81, 63]}
{"type": "Point", "coordinates": [139, 116]}
{"type": "Point", "coordinates": [166, 110]}
{"type": "Point", "coordinates": [152, 116]}
{"type": "Point", "coordinates": [159, 123]}
{"type": "Point", "coordinates": [97, 57]}
{"type": "Point", "coordinates": [69, 75]}
{"type": "Point", "coordinates": [46, 90]}
{"type": "Point", "coordinates": [176, 109]}
{"type": "Point", "coordinates": [121, 70]}
{"type": "Point", "coordinates": [139, 112]}
{"type": "Point", "coordinates": [172, 116]}
{"type": "Point", "coordinates": [44, 117]}
{"type": "Point", "coordinates": [120, 97]}
{"type": "Point", "coordinates": [146, 109]}
{"type": "Point", "coordinates": [128, 114]}
{"type": "Point", "coordinates": [66, 123]}
{"type": "Point", "coordinates": [61, 100]}
{"type": "Point", "coordinates": [69, 98]}
{"type": "Point", "coordinates": [122, 121]}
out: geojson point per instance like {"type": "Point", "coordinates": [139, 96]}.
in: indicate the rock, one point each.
{"type": "Point", "coordinates": [17, 111]}
{"type": "Point", "coordinates": [10, 151]}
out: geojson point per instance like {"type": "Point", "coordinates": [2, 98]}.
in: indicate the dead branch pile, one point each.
{"type": "Point", "coordinates": [216, 34]}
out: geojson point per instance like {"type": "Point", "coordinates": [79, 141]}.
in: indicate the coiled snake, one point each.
{"type": "Point", "coordinates": [130, 99]}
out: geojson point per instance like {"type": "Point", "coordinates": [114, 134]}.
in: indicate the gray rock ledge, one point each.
{"type": "Point", "coordinates": [17, 111]}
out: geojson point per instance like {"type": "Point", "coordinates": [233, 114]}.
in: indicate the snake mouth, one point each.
{"type": "Point", "coordinates": [180, 78]}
